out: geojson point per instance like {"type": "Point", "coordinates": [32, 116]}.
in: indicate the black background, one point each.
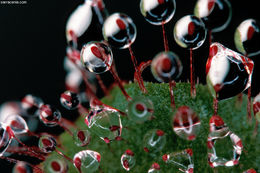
{"type": "Point", "coordinates": [33, 44]}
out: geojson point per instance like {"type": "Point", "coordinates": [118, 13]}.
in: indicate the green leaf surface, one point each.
{"type": "Point", "coordinates": [232, 111]}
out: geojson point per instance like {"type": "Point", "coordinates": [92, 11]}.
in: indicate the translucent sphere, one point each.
{"type": "Point", "coordinates": [87, 161]}
{"type": "Point", "coordinates": [31, 104]}
{"type": "Point", "coordinates": [81, 137]}
{"type": "Point", "coordinates": [47, 144]}
{"type": "Point", "coordinates": [56, 164]}
{"type": "Point", "coordinates": [154, 141]}
{"type": "Point", "coordinates": [186, 123]}
{"type": "Point", "coordinates": [189, 32]}
{"type": "Point", "coordinates": [17, 124]}
{"type": "Point", "coordinates": [166, 66]}
{"type": "Point", "coordinates": [140, 109]}
{"type": "Point", "coordinates": [158, 12]}
{"type": "Point", "coordinates": [228, 72]}
{"type": "Point", "coordinates": [247, 37]}
{"type": "Point", "coordinates": [49, 115]}
{"type": "Point", "coordinates": [128, 160]}
{"type": "Point", "coordinates": [5, 139]}
{"type": "Point", "coordinates": [216, 14]}
{"type": "Point", "coordinates": [119, 30]}
{"type": "Point", "coordinates": [9, 108]}
{"type": "Point", "coordinates": [106, 124]}
{"type": "Point", "coordinates": [22, 167]}
{"type": "Point", "coordinates": [182, 160]}
{"type": "Point", "coordinates": [69, 100]}
{"type": "Point", "coordinates": [96, 57]}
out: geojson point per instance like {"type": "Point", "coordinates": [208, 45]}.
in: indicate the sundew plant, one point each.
{"type": "Point", "coordinates": [151, 86]}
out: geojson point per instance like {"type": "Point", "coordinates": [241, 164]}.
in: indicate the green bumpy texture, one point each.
{"type": "Point", "coordinates": [232, 111]}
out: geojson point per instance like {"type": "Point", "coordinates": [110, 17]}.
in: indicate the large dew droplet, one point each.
{"type": "Point", "coordinates": [228, 73]}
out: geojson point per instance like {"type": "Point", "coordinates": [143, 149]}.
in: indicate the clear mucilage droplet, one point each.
{"type": "Point", "coordinates": [47, 144]}
{"type": "Point", "coordinates": [17, 124]}
{"type": "Point", "coordinates": [5, 139]}
{"type": "Point", "coordinates": [49, 115]}
{"type": "Point", "coordinates": [158, 12]}
{"type": "Point", "coordinates": [166, 66]}
{"type": "Point", "coordinates": [119, 30]}
{"type": "Point", "coordinates": [216, 14]}
{"type": "Point", "coordinates": [56, 164]}
{"type": "Point", "coordinates": [22, 167]}
{"type": "Point", "coordinates": [247, 37]}
{"type": "Point", "coordinates": [87, 161]}
{"type": "Point", "coordinates": [96, 57]}
{"type": "Point", "coordinates": [81, 137]}
{"type": "Point", "coordinates": [31, 104]}
{"type": "Point", "coordinates": [220, 136]}
{"type": "Point", "coordinates": [69, 100]}
{"type": "Point", "coordinates": [183, 160]}
{"type": "Point", "coordinates": [140, 109]}
{"type": "Point", "coordinates": [228, 73]}
{"type": "Point", "coordinates": [186, 124]}
{"type": "Point", "coordinates": [128, 160]}
{"type": "Point", "coordinates": [189, 32]}
{"type": "Point", "coordinates": [154, 141]}
{"type": "Point", "coordinates": [82, 18]}
{"type": "Point", "coordinates": [106, 124]}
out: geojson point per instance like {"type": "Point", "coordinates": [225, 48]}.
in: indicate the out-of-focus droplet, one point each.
{"type": "Point", "coordinates": [155, 168]}
{"type": "Point", "coordinates": [250, 171]}
{"type": "Point", "coordinates": [87, 161]}
{"type": "Point", "coordinates": [154, 141]}
{"type": "Point", "coordinates": [31, 104]}
{"type": "Point", "coordinates": [183, 160]}
{"type": "Point", "coordinates": [81, 137]}
{"type": "Point", "coordinates": [10, 108]}
{"type": "Point", "coordinates": [97, 57]}
{"type": "Point", "coordinates": [189, 32]}
{"type": "Point", "coordinates": [140, 109]}
{"type": "Point", "coordinates": [186, 124]}
{"type": "Point", "coordinates": [256, 107]}
{"type": "Point", "coordinates": [216, 14]}
{"type": "Point", "coordinates": [166, 66]}
{"type": "Point", "coordinates": [22, 167]}
{"type": "Point", "coordinates": [49, 115]}
{"type": "Point", "coordinates": [69, 100]}
{"type": "Point", "coordinates": [228, 73]}
{"type": "Point", "coordinates": [106, 124]}
{"type": "Point", "coordinates": [47, 144]}
{"type": "Point", "coordinates": [17, 124]}
{"type": "Point", "coordinates": [247, 37]}
{"type": "Point", "coordinates": [5, 139]}
{"type": "Point", "coordinates": [158, 12]}
{"type": "Point", "coordinates": [119, 30]}
{"type": "Point", "coordinates": [82, 18]}
{"type": "Point", "coordinates": [56, 164]}
{"type": "Point", "coordinates": [128, 160]}
{"type": "Point", "coordinates": [220, 135]}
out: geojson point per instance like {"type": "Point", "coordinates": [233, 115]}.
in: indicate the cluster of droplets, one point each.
{"type": "Point", "coordinates": [228, 74]}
